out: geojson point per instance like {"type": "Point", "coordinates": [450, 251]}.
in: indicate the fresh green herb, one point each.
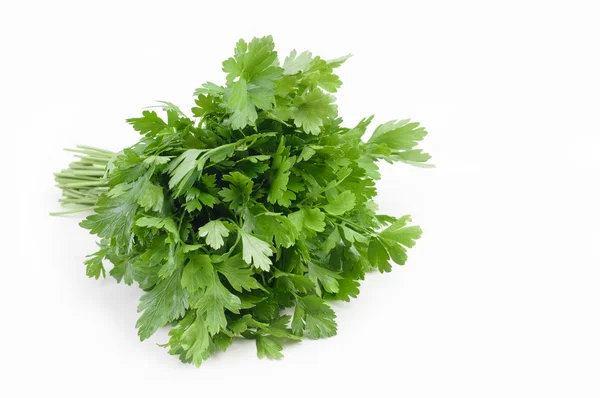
{"type": "Point", "coordinates": [259, 203]}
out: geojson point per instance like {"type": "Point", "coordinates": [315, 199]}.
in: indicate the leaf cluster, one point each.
{"type": "Point", "coordinates": [258, 203]}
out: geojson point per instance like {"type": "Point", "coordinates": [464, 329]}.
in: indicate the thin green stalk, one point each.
{"type": "Point", "coordinates": [356, 226]}
{"type": "Point", "coordinates": [84, 180]}
{"type": "Point", "coordinates": [88, 202]}
{"type": "Point", "coordinates": [96, 149]}
{"type": "Point", "coordinates": [58, 213]}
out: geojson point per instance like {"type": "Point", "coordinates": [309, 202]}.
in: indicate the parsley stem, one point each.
{"type": "Point", "coordinates": [88, 202]}
{"type": "Point", "coordinates": [58, 213]}
{"type": "Point", "coordinates": [86, 165]}
{"type": "Point", "coordinates": [356, 226]}
{"type": "Point", "coordinates": [111, 153]}
{"type": "Point", "coordinates": [90, 172]}
{"type": "Point", "coordinates": [83, 182]}
{"type": "Point", "coordinates": [73, 193]}
{"type": "Point", "coordinates": [92, 158]}
{"type": "Point", "coordinates": [322, 190]}
{"type": "Point", "coordinates": [89, 152]}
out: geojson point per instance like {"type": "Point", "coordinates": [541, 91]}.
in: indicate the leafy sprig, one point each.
{"type": "Point", "coordinates": [259, 202]}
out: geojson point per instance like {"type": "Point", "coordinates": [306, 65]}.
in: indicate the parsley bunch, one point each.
{"type": "Point", "coordinates": [257, 205]}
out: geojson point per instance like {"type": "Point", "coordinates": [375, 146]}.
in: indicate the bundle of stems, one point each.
{"type": "Point", "coordinates": [84, 180]}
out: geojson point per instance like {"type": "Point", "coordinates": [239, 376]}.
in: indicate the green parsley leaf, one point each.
{"type": "Point", "coordinates": [150, 196]}
{"type": "Point", "coordinates": [296, 63]}
{"type": "Point", "coordinates": [310, 110]}
{"type": "Point", "coordinates": [214, 232]}
{"type": "Point", "coordinates": [277, 228]}
{"type": "Point", "coordinates": [256, 251]}
{"type": "Point", "coordinates": [238, 193]}
{"type": "Point", "coordinates": [267, 346]}
{"type": "Point", "coordinates": [195, 340]}
{"type": "Point", "coordinates": [341, 204]}
{"type": "Point", "coordinates": [251, 76]}
{"type": "Point", "coordinates": [378, 255]}
{"type": "Point", "coordinates": [314, 317]}
{"type": "Point", "coordinates": [149, 124]}
{"type": "Point", "coordinates": [238, 274]}
{"type": "Point", "coordinates": [160, 223]}
{"type": "Point", "coordinates": [281, 165]}
{"type": "Point", "coordinates": [213, 302]}
{"type": "Point", "coordinates": [94, 266]}
{"type": "Point", "coordinates": [327, 278]}
{"type": "Point", "coordinates": [197, 274]}
{"type": "Point", "coordinates": [400, 134]}
{"type": "Point", "coordinates": [166, 302]}
{"type": "Point", "coordinates": [113, 219]}
{"type": "Point", "coordinates": [312, 219]}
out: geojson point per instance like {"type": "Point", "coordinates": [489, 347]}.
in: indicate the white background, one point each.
{"type": "Point", "coordinates": [500, 298]}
